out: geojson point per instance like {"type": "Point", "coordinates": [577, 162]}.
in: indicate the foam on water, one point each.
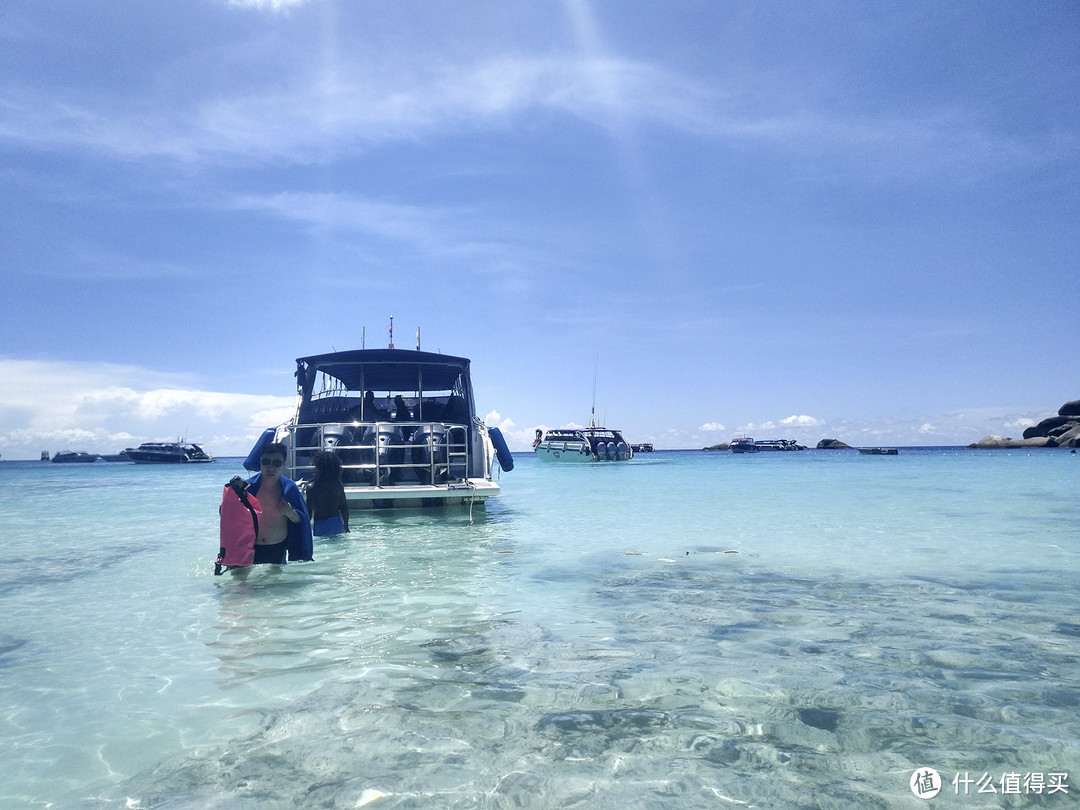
{"type": "Point", "coordinates": [685, 630]}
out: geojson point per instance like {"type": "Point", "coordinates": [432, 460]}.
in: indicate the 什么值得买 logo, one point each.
{"type": "Point", "coordinates": [925, 783]}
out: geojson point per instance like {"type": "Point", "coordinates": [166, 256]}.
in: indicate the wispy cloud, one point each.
{"type": "Point", "coordinates": [313, 115]}
{"type": "Point", "coordinates": [266, 5]}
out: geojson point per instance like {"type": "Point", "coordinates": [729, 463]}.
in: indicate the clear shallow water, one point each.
{"type": "Point", "coordinates": [686, 630]}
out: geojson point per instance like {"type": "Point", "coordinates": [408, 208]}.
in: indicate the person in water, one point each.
{"type": "Point", "coordinates": [326, 496]}
{"type": "Point", "coordinates": [284, 529]}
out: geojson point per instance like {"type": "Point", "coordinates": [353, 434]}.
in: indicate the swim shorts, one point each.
{"type": "Point", "coordinates": [274, 553]}
{"type": "Point", "coordinates": [329, 526]}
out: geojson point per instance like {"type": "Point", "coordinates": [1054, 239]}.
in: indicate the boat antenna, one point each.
{"type": "Point", "coordinates": [418, 338]}
{"type": "Point", "coordinates": [391, 327]}
{"type": "Point", "coordinates": [363, 329]}
{"type": "Point", "coordinates": [592, 414]}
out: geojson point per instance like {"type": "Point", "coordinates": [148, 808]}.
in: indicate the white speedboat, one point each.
{"type": "Point", "coordinates": [585, 444]}
{"type": "Point", "coordinates": [402, 422]}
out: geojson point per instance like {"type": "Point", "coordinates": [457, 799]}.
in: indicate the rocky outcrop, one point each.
{"type": "Point", "coordinates": [994, 442]}
{"type": "Point", "coordinates": [721, 446]}
{"type": "Point", "coordinates": [832, 444]}
{"type": "Point", "coordinates": [1062, 430]}
{"type": "Point", "coordinates": [1070, 408]}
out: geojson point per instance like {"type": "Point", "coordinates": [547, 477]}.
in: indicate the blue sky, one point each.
{"type": "Point", "coordinates": [850, 220]}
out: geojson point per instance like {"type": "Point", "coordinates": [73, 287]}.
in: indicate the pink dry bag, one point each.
{"type": "Point", "coordinates": [240, 512]}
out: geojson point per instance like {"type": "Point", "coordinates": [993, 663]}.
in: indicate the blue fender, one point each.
{"type": "Point", "coordinates": [252, 462]}
{"type": "Point", "coordinates": [502, 452]}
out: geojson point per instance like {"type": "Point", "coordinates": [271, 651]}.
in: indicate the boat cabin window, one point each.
{"type": "Point", "coordinates": [422, 396]}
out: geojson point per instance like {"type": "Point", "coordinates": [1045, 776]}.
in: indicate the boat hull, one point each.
{"type": "Point", "coordinates": [565, 452]}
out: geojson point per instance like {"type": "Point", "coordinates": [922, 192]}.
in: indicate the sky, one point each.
{"type": "Point", "coordinates": [705, 218]}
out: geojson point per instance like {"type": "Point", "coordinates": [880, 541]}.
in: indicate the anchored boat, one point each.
{"type": "Point", "coordinates": [582, 444]}
{"type": "Point", "coordinates": [402, 422]}
{"type": "Point", "coordinates": [744, 444]}
{"type": "Point", "coordinates": [167, 453]}
{"type": "Point", "coordinates": [73, 457]}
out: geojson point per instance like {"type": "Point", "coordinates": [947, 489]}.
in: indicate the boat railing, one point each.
{"type": "Point", "coordinates": [384, 453]}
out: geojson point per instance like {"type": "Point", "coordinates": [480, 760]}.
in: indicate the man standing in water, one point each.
{"type": "Point", "coordinates": [284, 528]}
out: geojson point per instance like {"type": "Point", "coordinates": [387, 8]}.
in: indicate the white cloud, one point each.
{"type": "Point", "coordinates": [712, 427]}
{"type": "Point", "coordinates": [1021, 423]}
{"type": "Point", "coordinates": [752, 427]}
{"type": "Point", "coordinates": [802, 421]}
{"type": "Point", "coordinates": [261, 5]}
{"type": "Point", "coordinates": [103, 408]}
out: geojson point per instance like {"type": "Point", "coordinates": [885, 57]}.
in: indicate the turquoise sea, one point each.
{"type": "Point", "coordinates": [686, 630]}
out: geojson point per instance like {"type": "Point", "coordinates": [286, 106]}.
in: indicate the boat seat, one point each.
{"type": "Point", "coordinates": [329, 409]}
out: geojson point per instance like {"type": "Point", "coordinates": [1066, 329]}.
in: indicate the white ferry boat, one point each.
{"type": "Point", "coordinates": [402, 422]}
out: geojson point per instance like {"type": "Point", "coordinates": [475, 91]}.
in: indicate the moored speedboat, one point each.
{"type": "Point", "coordinates": [402, 422]}
{"type": "Point", "coordinates": [744, 444]}
{"type": "Point", "coordinates": [585, 444]}
{"type": "Point", "coordinates": [168, 453]}
{"type": "Point", "coordinates": [879, 451]}
{"type": "Point", "coordinates": [74, 457]}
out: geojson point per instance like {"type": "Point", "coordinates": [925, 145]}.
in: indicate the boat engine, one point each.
{"type": "Point", "coordinates": [385, 444]}
{"type": "Point", "coordinates": [336, 439]}
{"type": "Point", "coordinates": [429, 453]}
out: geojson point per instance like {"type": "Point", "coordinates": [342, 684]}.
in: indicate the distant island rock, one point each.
{"type": "Point", "coordinates": [721, 446]}
{"type": "Point", "coordinates": [832, 444]}
{"type": "Point", "coordinates": [1062, 430]}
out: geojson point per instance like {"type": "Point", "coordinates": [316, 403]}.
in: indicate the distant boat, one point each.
{"type": "Point", "coordinates": [644, 447]}
{"type": "Point", "coordinates": [582, 444]}
{"type": "Point", "coordinates": [44, 455]}
{"type": "Point", "coordinates": [122, 456]}
{"type": "Point", "coordinates": [744, 444]}
{"type": "Point", "coordinates": [592, 443]}
{"type": "Point", "coordinates": [74, 457]}
{"type": "Point", "coordinates": [879, 451]}
{"type": "Point", "coordinates": [168, 453]}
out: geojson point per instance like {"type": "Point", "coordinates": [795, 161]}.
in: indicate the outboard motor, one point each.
{"type": "Point", "coordinates": [428, 444]}
{"type": "Point", "coordinates": [383, 442]}
{"type": "Point", "coordinates": [620, 451]}
{"type": "Point", "coordinates": [334, 439]}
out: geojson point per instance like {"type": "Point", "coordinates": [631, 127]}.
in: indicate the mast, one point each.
{"type": "Point", "coordinates": [592, 413]}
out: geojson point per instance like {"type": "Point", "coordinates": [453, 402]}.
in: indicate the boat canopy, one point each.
{"type": "Point", "coordinates": [384, 370]}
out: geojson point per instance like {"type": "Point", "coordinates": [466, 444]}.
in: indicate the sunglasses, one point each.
{"type": "Point", "coordinates": [272, 462]}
